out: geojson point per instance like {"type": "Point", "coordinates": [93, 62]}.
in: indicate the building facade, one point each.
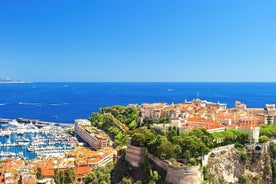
{"type": "Point", "coordinates": [97, 139]}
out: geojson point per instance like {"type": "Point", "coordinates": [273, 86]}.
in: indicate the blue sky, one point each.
{"type": "Point", "coordinates": [138, 40]}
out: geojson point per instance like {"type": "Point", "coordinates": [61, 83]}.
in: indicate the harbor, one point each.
{"type": "Point", "coordinates": [30, 139]}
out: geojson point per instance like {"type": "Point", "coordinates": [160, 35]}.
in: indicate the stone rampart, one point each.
{"type": "Point", "coordinates": [160, 163]}
{"type": "Point", "coordinates": [175, 175]}
{"type": "Point", "coordinates": [178, 175]}
{"type": "Point", "coordinates": [183, 175]}
{"type": "Point", "coordinates": [135, 155]}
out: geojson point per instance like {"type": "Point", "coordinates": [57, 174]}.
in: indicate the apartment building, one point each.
{"type": "Point", "coordinates": [96, 138]}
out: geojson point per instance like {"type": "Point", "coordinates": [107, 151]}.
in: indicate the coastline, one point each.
{"type": "Point", "coordinates": [37, 122]}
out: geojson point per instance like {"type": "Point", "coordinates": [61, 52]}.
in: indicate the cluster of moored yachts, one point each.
{"type": "Point", "coordinates": [42, 141]}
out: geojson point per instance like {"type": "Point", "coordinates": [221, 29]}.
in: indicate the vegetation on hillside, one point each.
{"type": "Point", "coordinates": [268, 130]}
{"type": "Point", "coordinates": [100, 176]}
{"type": "Point", "coordinates": [229, 137]}
{"type": "Point", "coordinates": [186, 145]}
{"type": "Point", "coordinates": [127, 115]}
{"type": "Point", "coordinates": [116, 121]}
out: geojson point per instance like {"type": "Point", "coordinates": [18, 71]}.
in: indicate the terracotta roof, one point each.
{"type": "Point", "coordinates": [195, 122]}
{"type": "Point", "coordinates": [9, 159]}
{"type": "Point", "coordinates": [29, 180]}
{"type": "Point", "coordinates": [82, 170]}
{"type": "Point", "coordinates": [195, 119]}
{"type": "Point", "coordinates": [46, 167]}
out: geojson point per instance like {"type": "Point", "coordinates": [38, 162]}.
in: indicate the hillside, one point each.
{"type": "Point", "coordinates": [247, 165]}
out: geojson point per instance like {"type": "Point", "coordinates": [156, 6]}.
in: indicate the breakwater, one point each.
{"type": "Point", "coordinates": [36, 122]}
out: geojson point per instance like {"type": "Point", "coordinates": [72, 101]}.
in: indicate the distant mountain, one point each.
{"type": "Point", "coordinates": [7, 80]}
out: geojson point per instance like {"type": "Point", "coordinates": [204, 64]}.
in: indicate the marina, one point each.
{"type": "Point", "coordinates": [28, 140]}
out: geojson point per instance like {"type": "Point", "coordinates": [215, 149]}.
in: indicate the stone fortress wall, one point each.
{"type": "Point", "coordinates": [175, 175]}
{"type": "Point", "coordinates": [135, 155]}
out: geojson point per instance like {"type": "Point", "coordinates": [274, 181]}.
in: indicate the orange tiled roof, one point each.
{"type": "Point", "coordinates": [82, 170]}
{"type": "Point", "coordinates": [46, 167]}
{"type": "Point", "coordinates": [195, 119]}
{"type": "Point", "coordinates": [195, 122]}
{"type": "Point", "coordinates": [29, 180]}
{"type": "Point", "coordinates": [9, 159]}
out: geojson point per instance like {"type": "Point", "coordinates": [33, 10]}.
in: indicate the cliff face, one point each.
{"type": "Point", "coordinates": [233, 165]}
{"type": "Point", "coordinates": [228, 165]}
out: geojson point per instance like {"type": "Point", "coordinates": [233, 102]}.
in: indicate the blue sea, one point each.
{"type": "Point", "coordinates": [64, 102]}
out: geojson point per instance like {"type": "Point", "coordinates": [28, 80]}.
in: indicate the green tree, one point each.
{"type": "Point", "coordinates": [244, 179]}
{"type": "Point", "coordinates": [155, 176]}
{"type": "Point", "coordinates": [69, 176]}
{"type": "Point", "coordinates": [205, 136]}
{"type": "Point", "coordinates": [206, 174]}
{"type": "Point", "coordinates": [243, 156]}
{"type": "Point", "coordinates": [193, 147]}
{"type": "Point", "coordinates": [132, 125]}
{"type": "Point", "coordinates": [39, 174]}
{"type": "Point", "coordinates": [166, 150]}
{"type": "Point", "coordinates": [91, 178]}
{"type": "Point", "coordinates": [172, 133]}
{"type": "Point", "coordinates": [142, 137]}
{"type": "Point", "coordinates": [100, 176]}
{"type": "Point", "coordinates": [57, 177]}
{"type": "Point", "coordinates": [126, 181]}
{"type": "Point", "coordinates": [268, 130]}
{"type": "Point", "coordinates": [61, 177]}
{"type": "Point", "coordinates": [263, 139]}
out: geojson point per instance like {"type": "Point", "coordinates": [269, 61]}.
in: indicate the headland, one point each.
{"type": "Point", "coordinates": [168, 140]}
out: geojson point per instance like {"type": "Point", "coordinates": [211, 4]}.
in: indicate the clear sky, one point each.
{"type": "Point", "coordinates": [138, 40]}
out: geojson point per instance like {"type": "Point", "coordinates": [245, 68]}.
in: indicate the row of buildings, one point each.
{"type": "Point", "coordinates": [82, 160]}
{"type": "Point", "coordinates": [211, 116]}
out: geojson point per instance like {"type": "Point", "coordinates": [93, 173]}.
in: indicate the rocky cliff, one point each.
{"type": "Point", "coordinates": [246, 165]}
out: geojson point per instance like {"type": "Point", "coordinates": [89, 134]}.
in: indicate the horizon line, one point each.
{"type": "Point", "coordinates": [148, 82]}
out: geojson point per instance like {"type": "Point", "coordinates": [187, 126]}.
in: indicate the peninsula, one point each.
{"type": "Point", "coordinates": [8, 80]}
{"type": "Point", "coordinates": [191, 142]}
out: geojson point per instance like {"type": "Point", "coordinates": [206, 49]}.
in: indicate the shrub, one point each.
{"type": "Point", "coordinates": [238, 145]}
{"type": "Point", "coordinates": [212, 155]}
{"type": "Point", "coordinates": [263, 139]}
{"type": "Point", "coordinates": [192, 162]}
{"type": "Point", "coordinates": [244, 179]}
{"type": "Point", "coordinates": [243, 156]}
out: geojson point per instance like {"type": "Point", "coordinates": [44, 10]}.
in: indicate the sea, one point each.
{"type": "Point", "coordinates": [65, 102]}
